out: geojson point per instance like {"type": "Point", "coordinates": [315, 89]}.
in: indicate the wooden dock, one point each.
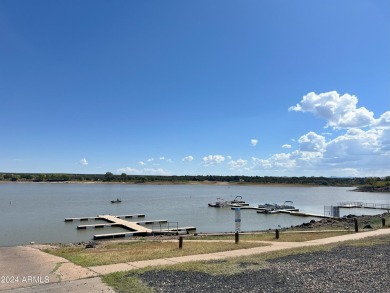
{"type": "Point", "coordinates": [134, 228]}
{"type": "Point", "coordinates": [131, 226]}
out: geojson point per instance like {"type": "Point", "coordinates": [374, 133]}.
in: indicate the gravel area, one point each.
{"type": "Point", "coordinates": [343, 269]}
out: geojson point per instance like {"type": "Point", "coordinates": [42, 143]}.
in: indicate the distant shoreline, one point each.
{"type": "Point", "coordinates": [218, 183]}
{"type": "Point", "coordinates": [382, 189]}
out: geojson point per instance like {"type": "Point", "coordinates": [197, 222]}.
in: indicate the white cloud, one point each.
{"type": "Point", "coordinates": [276, 161]}
{"type": "Point", "coordinates": [238, 164]}
{"type": "Point", "coordinates": [254, 142]}
{"type": "Point", "coordinates": [144, 171]}
{"type": "Point", "coordinates": [312, 142]}
{"type": "Point", "coordinates": [162, 158]}
{"type": "Point", "coordinates": [229, 157]}
{"type": "Point", "coordinates": [353, 144]}
{"type": "Point", "coordinates": [83, 162]}
{"type": "Point", "coordinates": [142, 163]}
{"type": "Point", "coordinates": [188, 159]}
{"type": "Point", "coordinates": [213, 160]}
{"type": "Point", "coordinates": [150, 160]}
{"type": "Point", "coordinates": [286, 146]}
{"type": "Point", "coordinates": [383, 121]}
{"type": "Point", "coordinates": [339, 110]}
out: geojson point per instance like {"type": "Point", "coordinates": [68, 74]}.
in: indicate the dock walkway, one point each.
{"type": "Point", "coordinates": [131, 226]}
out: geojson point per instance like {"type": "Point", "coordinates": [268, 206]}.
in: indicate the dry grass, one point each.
{"type": "Point", "coordinates": [108, 253]}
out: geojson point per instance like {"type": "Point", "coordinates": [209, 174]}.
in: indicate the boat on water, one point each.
{"type": "Point", "coordinates": [118, 200]}
{"type": "Point", "coordinates": [236, 202]}
{"type": "Point", "coordinates": [273, 208]}
{"type": "Point", "coordinates": [218, 204]}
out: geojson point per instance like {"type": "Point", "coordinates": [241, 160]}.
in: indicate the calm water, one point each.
{"type": "Point", "coordinates": [36, 212]}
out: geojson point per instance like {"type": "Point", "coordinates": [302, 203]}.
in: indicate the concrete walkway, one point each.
{"type": "Point", "coordinates": [41, 272]}
{"type": "Point", "coordinates": [274, 246]}
{"type": "Point", "coordinates": [32, 270]}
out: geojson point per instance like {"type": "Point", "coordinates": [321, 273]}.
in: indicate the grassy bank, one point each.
{"type": "Point", "coordinates": [111, 253]}
{"type": "Point", "coordinates": [130, 281]}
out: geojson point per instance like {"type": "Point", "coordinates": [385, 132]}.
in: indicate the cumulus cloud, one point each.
{"type": "Point", "coordinates": [142, 163]}
{"type": "Point", "coordinates": [278, 161]}
{"type": "Point", "coordinates": [312, 142]}
{"type": "Point", "coordinates": [83, 162]}
{"type": "Point", "coordinates": [212, 160]}
{"type": "Point", "coordinates": [150, 160]}
{"type": "Point", "coordinates": [383, 121]}
{"type": "Point", "coordinates": [286, 146]}
{"type": "Point", "coordinates": [144, 171]}
{"type": "Point", "coordinates": [237, 164]}
{"type": "Point", "coordinates": [340, 111]}
{"type": "Point", "coordinates": [354, 143]}
{"type": "Point", "coordinates": [254, 142]}
{"type": "Point", "coordinates": [188, 159]}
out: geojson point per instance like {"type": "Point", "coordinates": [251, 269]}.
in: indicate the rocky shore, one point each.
{"type": "Point", "coordinates": [342, 269]}
{"type": "Point", "coordinates": [347, 222]}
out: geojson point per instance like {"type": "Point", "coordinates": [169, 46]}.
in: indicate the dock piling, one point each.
{"type": "Point", "coordinates": [276, 234]}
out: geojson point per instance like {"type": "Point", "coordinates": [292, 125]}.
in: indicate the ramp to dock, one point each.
{"type": "Point", "coordinates": [131, 226]}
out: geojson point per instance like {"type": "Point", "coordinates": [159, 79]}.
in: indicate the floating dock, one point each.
{"type": "Point", "coordinates": [301, 214]}
{"type": "Point", "coordinates": [135, 228]}
{"type": "Point", "coordinates": [98, 217]}
{"type": "Point", "coordinates": [357, 204]}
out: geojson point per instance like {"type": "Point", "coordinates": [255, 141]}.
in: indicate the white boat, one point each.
{"type": "Point", "coordinates": [219, 203]}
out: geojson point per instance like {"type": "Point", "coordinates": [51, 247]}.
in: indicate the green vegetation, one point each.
{"type": "Point", "coordinates": [124, 178]}
{"type": "Point", "coordinates": [376, 184]}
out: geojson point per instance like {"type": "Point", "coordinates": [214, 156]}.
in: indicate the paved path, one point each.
{"type": "Point", "coordinates": [274, 246]}
{"type": "Point", "coordinates": [32, 270]}
{"type": "Point", "coordinates": [42, 272]}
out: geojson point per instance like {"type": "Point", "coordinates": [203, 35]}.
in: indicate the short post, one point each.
{"type": "Point", "coordinates": [180, 242]}
{"type": "Point", "coordinates": [356, 225]}
{"type": "Point", "coordinates": [277, 234]}
{"type": "Point", "coordinates": [237, 238]}
{"type": "Point", "coordinates": [383, 222]}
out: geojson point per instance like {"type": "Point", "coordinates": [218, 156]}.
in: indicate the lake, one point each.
{"type": "Point", "coordinates": [36, 211]}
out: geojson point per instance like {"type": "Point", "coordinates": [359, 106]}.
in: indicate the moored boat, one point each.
{"type": "Point", "coordinates": [218, 204]}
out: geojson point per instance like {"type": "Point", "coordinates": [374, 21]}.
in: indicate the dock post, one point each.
{"type": "Point", "coordinates": [383, 222]}
{"type": "Point", "coordinates": [236, 237]}
{"type": "Point", "coordinates": [356, 225]}
{"type": "Point", "coordinates": [277, 234]}
{"type": "Point", "coordinates": [180, 242]}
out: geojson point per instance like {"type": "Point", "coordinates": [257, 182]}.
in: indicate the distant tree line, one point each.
{"type": "Point", "coordinates": [110, 177]}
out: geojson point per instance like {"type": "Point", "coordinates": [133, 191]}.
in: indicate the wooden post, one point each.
{"type": "Point", "coordinates": [237, 238]}
{"type": "Point", "coordinates": [180, 242]}
{"type": "Point", "coordinates": [277, 234]}
{"type": "Point", "coordinates": [356, 225]}
{"type": "Point", "coordinates": [383, 222]}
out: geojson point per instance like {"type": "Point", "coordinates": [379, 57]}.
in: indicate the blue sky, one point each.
{"type": "Point", "coordinates": [267, 88]}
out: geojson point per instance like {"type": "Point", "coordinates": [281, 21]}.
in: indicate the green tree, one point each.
{"type": "Point", "coordinates": [109, 176]}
